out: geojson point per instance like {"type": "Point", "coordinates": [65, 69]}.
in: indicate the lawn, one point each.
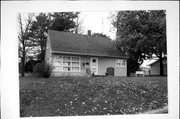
{"type": "Point", "coordinates": [70, 96]}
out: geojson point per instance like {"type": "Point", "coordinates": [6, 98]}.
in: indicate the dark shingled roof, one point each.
{"type": "Point", "coordinates": [83, 44]}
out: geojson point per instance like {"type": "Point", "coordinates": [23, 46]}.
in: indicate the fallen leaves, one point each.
{"type": "Point", "coordinates": [70, 96]}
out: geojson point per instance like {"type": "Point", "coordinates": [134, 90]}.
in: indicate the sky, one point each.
{"type": "Point", "coordinates": [98, 22]}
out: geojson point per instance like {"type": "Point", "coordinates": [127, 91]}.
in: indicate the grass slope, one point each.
{"type": "Point", "coordinates": [70, 96]}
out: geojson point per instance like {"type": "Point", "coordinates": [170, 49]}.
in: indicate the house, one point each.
{"type": "Point", "coordinates": [155, 67]}
{"type": "Point", "coordinates": [73, 54]}
{"type": "Point", "coordinates": [145, 69]}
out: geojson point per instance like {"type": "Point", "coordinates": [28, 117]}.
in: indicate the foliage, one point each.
{"type": "Point", "coordinates": [63, 21]}
{"type": "Point", "coordinates": [29, 65]}
{"type": "Point", "coordinates": [132, 66]}
{"type": "Point", "coordinates": [141, 34]}
{"type": "Point", "coordinates": [33, 32]}
{"type": "Point", "coordinates": [48, 71]}
{"type": "Point", "coordinates": [70, 96]}
{"type": "Point", "coordinates": [42, 70]}
{"type": "Point", "coordinates": [38, 69]}
{"type": "Point", "coordinates": [39, 31]}
{"type": "Point", "coordinates": [110, 71]}
{"type": "Point", "coordinates": [24, 39]}
{"type": "Point", "coordinates": [60, 21]}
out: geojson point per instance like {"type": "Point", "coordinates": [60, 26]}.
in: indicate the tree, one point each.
{"type": "Point", "coordinates": [158, 29]}
{"type": "Point", "coordinates": [33, 32]}
{"type": "Point", "coordinates": [79, 28]}
{"type": "Point", "coordinates": [24, 39]}
{"type": "Point", "coordinates": [60, 21]}
{"type": "Point", "coordinates": [63, 21]}
{"type": "Point", "coordinates": [39, 31]}
{"type": "Point", "coordinates": [142, 34]}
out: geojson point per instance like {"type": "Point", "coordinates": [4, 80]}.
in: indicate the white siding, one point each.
{"type": "Point", "coordinates": [104, 63]}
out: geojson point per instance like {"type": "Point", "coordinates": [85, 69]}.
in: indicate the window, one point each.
{"type": "Point", "coordinates": [94, 60]}
{"type": "Point", "coordinates": [66, 63]}
{"type": "Point", "coordinates": [120, 63]}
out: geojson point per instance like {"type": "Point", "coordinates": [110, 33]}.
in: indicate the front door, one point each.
{"type": "Point", "coordinates": [94, 66]}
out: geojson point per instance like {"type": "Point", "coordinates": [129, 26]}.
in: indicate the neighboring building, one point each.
{"type": "Point", "coordinates": [145, 69]}
{"type": "Point", "coordinates": [155, 67]}
{"type": "Point", "coordinates": [74, 54]}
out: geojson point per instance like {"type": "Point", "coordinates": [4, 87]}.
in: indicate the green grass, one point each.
{"type": "Point", "coordinates": [70, 96]}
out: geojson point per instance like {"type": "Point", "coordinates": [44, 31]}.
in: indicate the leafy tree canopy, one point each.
{"type": "Point", "coordinates": [141, 34]}
{"type": "Point", "coordinates": [60, 21]}
{"type": "Point", "coordinates": [63, 21]}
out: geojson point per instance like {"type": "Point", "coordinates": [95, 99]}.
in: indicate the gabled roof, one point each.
{"type": "Point", "coordinates": [157, 61]}
{"type": "Point", "coordinates": [77, 44]}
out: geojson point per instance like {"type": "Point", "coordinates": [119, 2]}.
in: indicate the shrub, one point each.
{"type": "Point", "coordinates": [42, 70]}
{"type": "Point", "coordinates": [38, 69]}
{"type": "Point", "coordinates": [30, 64]}
{"type": "Point", "coordinates": [110, 71]}
{"type": "Point", "coordinates": [47, 71]}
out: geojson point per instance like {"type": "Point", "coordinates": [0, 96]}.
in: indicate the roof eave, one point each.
{"type": "Point", "coordinates": [87, 54]}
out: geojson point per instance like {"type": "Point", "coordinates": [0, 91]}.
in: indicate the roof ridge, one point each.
{"type": "Point", "coordinates": [80, 34]}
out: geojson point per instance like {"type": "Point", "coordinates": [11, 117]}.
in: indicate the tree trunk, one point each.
{"type": "Point", "coordinates": [23, 63]}
{"type": "Point", "coordinates": [161, 65]}
{"type": "Point", "coordinates": [42, 50]}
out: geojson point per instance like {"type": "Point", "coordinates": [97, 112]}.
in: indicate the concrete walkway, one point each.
{"type": "Point", "coordinates": [158, 111]}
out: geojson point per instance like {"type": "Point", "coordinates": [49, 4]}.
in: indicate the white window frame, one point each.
{"type": "Point", "coordinates": [121, 62]}
{"type": "Point", "coordinates": [71, 67]}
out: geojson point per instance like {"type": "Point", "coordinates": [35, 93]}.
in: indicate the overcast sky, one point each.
{"type": "Point", "coordinates": [98, 22]}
